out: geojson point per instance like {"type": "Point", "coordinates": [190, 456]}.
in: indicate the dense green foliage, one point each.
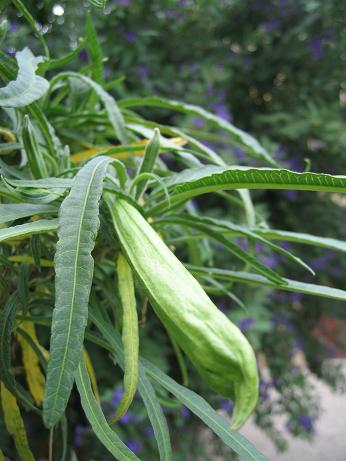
{"type": "Point", "coordinates": [61, 110]}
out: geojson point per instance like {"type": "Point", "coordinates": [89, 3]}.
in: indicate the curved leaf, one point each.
{"type": "Point", "coordinates": [192, 182]}
{"type": "Point", "coordinates": [12, 211]}
{"type": "Point", "coordinates": [28, 229]}
{"type": "Point", "coordinates": [238, 135]}
{"type": "Point", "coordinates": [291, 285]}
{"type": "Point", "coordinates": [28, 87]}
{"type": "Point", "coordinates": [129, 335]}
{"type": "Point", "coordinates": [74, 265]}
{"type": "Point", "coordinates": [97, 420]}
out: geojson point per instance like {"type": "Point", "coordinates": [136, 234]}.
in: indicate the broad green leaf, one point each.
{"type": "Point", "coordinates": [238, 135]}
{"type": "Point", "coordinates": [298, 237]}
{"type": "Point", "coordinates": [154, 410]}
{"type": "Point", "coordinates": [28, 229]}
{"type": "Point", "coordinates": [152, 150]}
{"type": "Point", "coordinates": [94, 51]}
{"type": "Point", "coordinates": [114, 115]}
{"type": "Point", "coordinates": [15, 424]}
{"type": "Point", "coordinates": [129, 335]}
{"type": "Point", "coordinates": [33, 374]}
{"type": "Point", "coordinates": [219, 425]}
{"type": "Point", "coordinates": [74, 265]}
{"type": "Point", "coordinates": [97, 420]}
{"type": "Point", "coordinates": [28, 87]}
{"type": "Point", "coordinates": [291, 285]}
{"type": "Point", "coordinates": [10, 212]}
{"type": "Point", "coordinates": [7, 325]}
{"type": "Point", "coordinates": [197, 181]}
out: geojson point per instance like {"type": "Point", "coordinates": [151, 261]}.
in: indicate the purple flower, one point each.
{"type": "Point", "coordinates": [122, 2]}
{"type": "Point", "coordinates": [306, 422]}
{"type": "Point", "coordinates": [227, 405]}
{"type": "Point", "coordinates": [296, 297]}
{"type": "Point", "coordinates": [198, 122]}
{"type": "Point", "coordinates": [221, 110]}
{"type": "Point", "coordinates": [246, 324]}
{"type": "Point", "coordinates": [149, 431]}
{"type": "Point", "coordinates": [117, 396]}
{"type": "Point", "coordinates": [239, 153]}
{"type": "Point", "coordinates": [270, 261]}
{"type": "Point", "coordinates": [131, 36]}
{"type": "Point", "coordinates": [11, 52]}
{"type": "Point", "coordinates": [142, 72]}
{"type": "Point", "coordinates": [106, 72]}
{"type": "Point", "coordinates": [83, 56]}
{"type": "Point", "coordinates": [271, 25]}
{"type": "Point", "coordinates": [185, 413]}
{"type": "Point", "coordinates": [263, 390]}
{"type": "Point", "coordinates": [78, 435]}
{"type": "Point", "coordinates": [242, 242]}
{"type": "Point", "coordinates": [291, 195]}
{"type": "Point", "coordinates": [316, 48]}
{"type": "Point", "coordinates": [13, 26]}
{"type": "Point", "coordinates": [134, 446]}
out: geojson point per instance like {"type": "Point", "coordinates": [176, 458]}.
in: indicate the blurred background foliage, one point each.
{"type": "Point", "coordinates": [276, 68]}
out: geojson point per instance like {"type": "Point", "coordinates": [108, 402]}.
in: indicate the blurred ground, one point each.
{"type": "Point", "coordinates": [330, 441]}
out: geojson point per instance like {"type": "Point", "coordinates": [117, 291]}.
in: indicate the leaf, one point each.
{"type": "Point", "coordinates": [92, 375]}
{"type": "Point", "coordinates": [15, 425]}
{"type": "Point", "coordinates": [114, 115]}
{"type": "Point", "coordinates": [74, 265]}
{"type": "Point", "coordinates": [129, 335]}
{"type": "Point", "coordinates": [154, 410]}
{"type": "Point", "coordinates": [28, 87]}
{"type": "Point", "coordinates": [298, 237]}
{"type": "Point", "coordinates": [34, 155]}
{"type": "Point", "coordinates": [94, 51]}
{"type": "Point", "coordinates": [291, 285]}
{"type": "Point", "coordinates": [32, 369]}
{"type": "Point", "coordinates": [238, 135]}
{"type": "Point", "coordinates": [97, 420]}
{"type": "Point", "coordinates": [192, 182]}
{"type": "Point", "coordinates": [7, 324]}
{"type": "Point", "coordinates": [11, 212]}
{"type": "Point", "coordinates": [28, 229]}
{"type": "Point", "coordinates": [197, 404]}
{"type": "Point", "coordinates": [98, 3]}
{"type": "Point", "coordinates": [151, 153]}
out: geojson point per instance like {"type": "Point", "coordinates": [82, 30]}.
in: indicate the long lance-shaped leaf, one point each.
{"type": "Point", "coordinates": [145, 387]}
{"type": "Point", "coordinates": [28, 86]}
{"type": "Point", "coordinates": [97, 420]}
{"type": "Point", "coordinates": [234, 229]}
{"type": "Point", "coordinates": [192, 182]}
{"type": "Point", "coordinates": [74, 265]}
{"type": "Point", "coordinates": [298, 237]}
{"type": "Point", "coordinates": [114, 115]}
{"type": "Point", "coordinates": [10, 212]}
{"type": "Point", "coordinates": [26, 230]}
{"type": "Point", "coordinates": [291, 285]}
{"type": "Point", "coordinates": [152, 150]}
{"type": "Point", "coordinates": [15, 424]}
{"type": "Point", "coordinates": [94, 51]}
{"type": "Point", "coordinates": [238, 135]}
{"type": "Point", "coordinates": [129, 335]}
{"type": "Point", "coordinates": [219, 425]}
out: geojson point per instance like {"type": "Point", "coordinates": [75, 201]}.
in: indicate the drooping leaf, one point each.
{"type": "Point", "coordinates": [78, 226]}
{"type": "Point", "coordinates": [28, 87]}
{"type": "Point", "coordinates": [15, 424]}
{"type": "Point", "coordinates": [192, 182]}
{"type": "Point", "coordinates": [145, 387]}
{"type": "Point", "coordinates": [97, 420]}
{"type": "Point", "coordinates": [291, 285]}
{"type": "Point", "coordinates": [32, 369]}
{"type": "Point", "coordinates": [238, 135]}
{"type": "Point", "coordinates": [129, 335]}
{"type": "Point", "coordinates": [28, 229]}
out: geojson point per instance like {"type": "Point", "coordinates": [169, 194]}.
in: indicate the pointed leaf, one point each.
{"type": "Point", "coordinates": [28, 229]}
{"type": "Point", "coordinates": [11, 212]}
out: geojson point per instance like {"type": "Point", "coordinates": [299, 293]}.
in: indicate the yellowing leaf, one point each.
{"type": "Point", "coordinates": [92, 376]}
{"type": "Point", "coordinates": [2, 457]}
{"type": "Point", "coordinates": [30, 260]}
{"type": "Point", "coordinates": [33, 372]}
{"type": "Point", "coordinates": [15, 425]}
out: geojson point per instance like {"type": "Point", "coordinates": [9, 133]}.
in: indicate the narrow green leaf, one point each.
{"type": "Point", "coordinates": [97, 420]}
{"type": "Point", "coordinates": [291, 285]}
{"type": "Point", "coordinates": [10, 212]}
{"type": "Point", "coordinates": [63, 60]}
{"type": "Point", "coordinates": [238, 135]}
{"type": "Point", "coordinates": [114, 115]}
{"type": "Point", "coordinates": [98, 3]}
{"type": "Point", "coordinates": [28, 86]}
{"type": "Point", "coordinates": [94, 51]}
{"type": "Point", "coordinates": [47, 183]}
{"type": "Point", "coordinates": [35, 158]}
{"type": "Point", "coordinates": [74, 265]}
{"type": "Point", "coordinates": [28, 229]}
{"type": "Point", "coordinates": [192, 182]}
{"type": "Point", "coordinates": [129, 335]}
{"type": "Point", "coordinates": [145, 387]}
{"type": "Point", "coordinates": [151, 153]}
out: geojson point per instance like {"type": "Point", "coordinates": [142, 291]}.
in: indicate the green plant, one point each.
{"type": "Point", "coordinates": [47, 189]}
